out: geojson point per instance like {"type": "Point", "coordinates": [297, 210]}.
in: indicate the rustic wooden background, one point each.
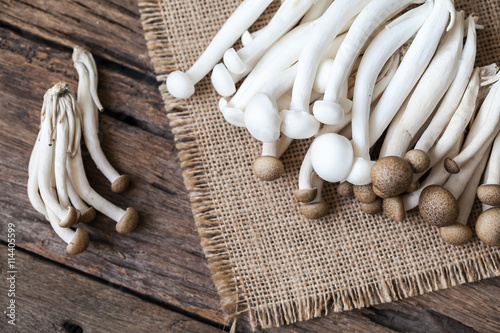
{"type": "Point", "coordinates": [154, 279]}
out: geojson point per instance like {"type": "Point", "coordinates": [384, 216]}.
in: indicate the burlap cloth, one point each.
{"type": "Point", "coordinates": [267, 260]}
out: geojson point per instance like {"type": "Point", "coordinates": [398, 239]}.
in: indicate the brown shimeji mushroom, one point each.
{"type": "Point", "coordinates": [89, 105]}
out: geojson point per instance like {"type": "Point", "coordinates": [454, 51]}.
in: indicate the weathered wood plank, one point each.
{"type": "Point", "coordinates": [64, 22]}
{"type": "Point", "coordinates": [50, 298]}
{"type": "Point", "coordinates": [33, 67]}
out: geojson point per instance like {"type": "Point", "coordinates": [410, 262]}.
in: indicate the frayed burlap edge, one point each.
{"type": "Point", "coordinates": [214, 246]}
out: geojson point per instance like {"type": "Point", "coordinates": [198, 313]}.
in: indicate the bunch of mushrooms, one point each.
{"type": "Point", "coordinates": [385, 90]}
{"type": "Point", "coordinates": [57, 185]}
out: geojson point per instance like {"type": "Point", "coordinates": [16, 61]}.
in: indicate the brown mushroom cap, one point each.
{"type": "Point", "coordinates": [314, 210]}
{"type": "Point", "coordinates": [378, 193]}
{"type": "Point", "coordinates": [451, 166]}
{"type": "Point", "coordinates": [488, 227]}
{"type": "Point", "coordinates": [391, 175]}
{"type": "Point", "coordinates": [394, 208]}
{"type": "Point", "coordinates": [489, 194]}
{"type": "Point", "coordinates": [72, 217]}
{"type": "Point", "coordinates": [364, 193]}
{"type": "Point", "coordinates": [305, 195]}
{"type": "Point", "coordinates": [79, 243]}
{"type": "Point", "coordinates": [456, 234]}
{"type": "Point", "coordinates": [373, 208]}
{"type": "Point", "coordinates": [89, 215]}
{"type": "Point", "coordinates": [345, 189]}
{"type": "Point", "coordinates": [438, 206]}
{"type": "Point", "coordinates": [419, 160]}
{"type": "Point", "coordinates": [128, 222]}
{"type": "Point", "coordinates": [268, 168]}
{"type": "Point", "coordinates": [120, 184]}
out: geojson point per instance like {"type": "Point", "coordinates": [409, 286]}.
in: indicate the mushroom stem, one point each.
{"type": "Point", "coordinates": [90, 120]}
{"type": "Point", "coordinates": [316, 10]}
{"type": "Point", "coordinates": [485, 137]}
{"type": "Point", "coordinates": [60, 156]}
{"type": "Point", "coordinates": [330, 110]}
{"type": "Point", "coordinates": [430, 89]}
{"type": "Point", "coordinates": [87, 213]}
{"type": "Point", "coordinates": [33, 194]}
{"type": "Point", "coordinates": [489, 191]}
{"type": "Point", "coordinates": [410, 70]}
{"type": "Point", "coordinates": [317, 208]}
{"type": "Point", "coordinates": [180, 84]}
{"type": "Point", "coordinates": [126, 219]}
{"type": "Point", "coordinates": [268, 166]}
{"type": "Point", "coordinates": [451, 99]}
{"type": "Point", "coordinates": [287, 16]}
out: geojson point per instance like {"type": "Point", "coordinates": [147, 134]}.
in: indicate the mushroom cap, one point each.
{"type": "Point", "coordinates": [128, 222]}
{"type": "Point", "coordinates": [451, 166]}
{"type": "Point", "coordinates": [328, 112]}
{"type": "Point", "coordinates": [262, 119]}
{"type": "Point", "coordinates": [391, 175]}
{"type": "Point", "coordinates": [268, 168]}
{"type": "Point", "coordinates": [345, 189]}
{"type": "Point", "coordinates": [489, 194]}
{"type": "Point", "coordinates": [488, 227]}
{"type": "Point", "coordinates": [120, 184]}
{"type": "Point", "coordinates": [314, 211]}
{"type": "Point", "coordinates": [373, 208]}
{"type": "Point", "coordinates": [419, 160]}
{"type": "Point", "coordinates": [222, 81]}
{"type": "Point", "coordinates": [360, 171]}
{"type": "Point", "coordinates": [89, 215]}
{"type": "Point", "coordinates": [71, 218]}
{"type": "Point", "coordinates": [331, 157]}
{"type": "Point", "coordinates": [456, 234]}
{"type": "Point", "coordinates": [305, 195]}
{"type": "Point", "coordinates": [378, 193]}
{"type": "Point", "coordinates": [394, 208]}
{"type": "Point", "coordinates": [79, 243]}
{"type": "Point", "coordinates": [298, 124]}
{"type": "Point", "coordinates": [438, 206]}
{"type": "Point", "coordinates": [180, 85]}
{"type": "Point", "coordinates": [364, 193]}
{"type": "Point", "coordinates": [233, 61]}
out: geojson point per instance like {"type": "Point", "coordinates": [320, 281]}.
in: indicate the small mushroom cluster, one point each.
{"type": "Point", "coordinates": [386, 91]}
{"type": "Point", "coordinates": [57, 185]}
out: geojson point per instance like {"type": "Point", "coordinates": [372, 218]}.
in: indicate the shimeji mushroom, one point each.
{"type": "Point", "coordinates": [412, 67]}
{"type": "Point", "coordinates": [489, 191]}
{"type": "Point", "coordinates": [87, 213]}
{"type": "Point", "coordinates": [286, 17]}
{"type": "Point", "coordinates": [181, 84]}
{"type": "Point", "coordinates": [89, 104]}
{"type": "Point", "coordinates": [268, 166]}
{"type": "Point", "coordinates": [453, 96]}
{"type": "Point", "coordinates": [316, 10]}
{"type": "Point", "coordinates": [77, 241]}
{"type": "Point", "coordinates": [326, 29]}
{"type": "Point", "coordinates": [488, 131]}
{"type": "Point", "coordinates": [378, 52]}
{"type": "Point", "coordinates": [437, 204]}
{"type": "Point", "coordinates": [317, 208]}
{"type": "Point", "coordinates": [331, 109]}
{"type": "Point", "coordinates": [488, 227]}
{"type": "Point", "coordinates": [459, 233]}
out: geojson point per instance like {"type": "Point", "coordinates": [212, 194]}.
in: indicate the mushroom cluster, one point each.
{"type": "Point", "coordinates": [57, 185]}
{"type": "Point", "coordinates": [385, 91]}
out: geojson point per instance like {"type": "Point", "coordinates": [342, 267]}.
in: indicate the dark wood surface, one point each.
{"type": "Point", "coordinates": [154, 279]}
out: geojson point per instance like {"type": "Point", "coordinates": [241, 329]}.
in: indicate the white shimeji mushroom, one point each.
{"type": "Point", "coordinates": [414, 63]}
{"type": "Point", "coordinates": [489, 191]}
{"type": "Point", "coordinates": [287, 15]}
{"type": "Point", "coordinates": [332, 108]}
{"type": "Point", "coordinates": [89, 104]}
{"type": "Point", "coordinates": [181, 84]}
{"type": "Point", "coordinates": [487, 134]}
{"type": "Point", "coordinates": [326, 29]}
{"type": "Point", "coordinates": [378, 52]}
{"type": "Point", "coordinates": [459, 233]}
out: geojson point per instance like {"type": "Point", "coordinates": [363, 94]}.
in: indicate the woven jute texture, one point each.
{"type": "Point", "coordinates": [267, 260]}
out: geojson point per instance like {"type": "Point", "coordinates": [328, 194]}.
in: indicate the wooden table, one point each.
{"type": "Point", "coordinates": [154, 279]}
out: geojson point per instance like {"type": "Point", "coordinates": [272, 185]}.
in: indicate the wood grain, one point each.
{"type": "Point", "coordinates": [50, 298]}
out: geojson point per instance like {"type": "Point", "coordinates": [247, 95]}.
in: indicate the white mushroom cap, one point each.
{"type": "Point", "coordinates": [222, 81]}
{"type": "Point", "coordinates": [235, 116]}
{"type": "Point", "coordinates": [262, 119]}
{"type": "Point", "coordinates": [332, 157]}
{"type": "Point", "coordinates": [327, 112]}
{"type": "Point", "coordinates": [180, 85]}
{"type": "Point", "coordinates": [298, 124]}
{"type": "Point", "coordinates": [360, 172]}
{"type": "Point", "coordinates": [233, 61]}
